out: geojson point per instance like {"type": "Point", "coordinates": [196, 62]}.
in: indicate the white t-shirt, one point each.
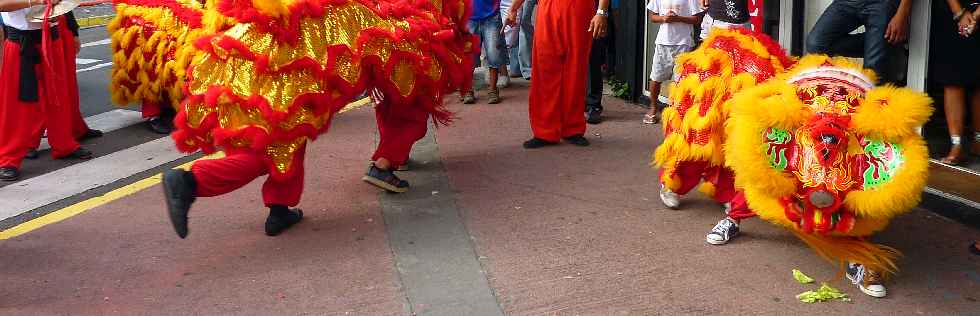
{"type": "Point", "coordinates": [675, 33]}
{"type": "Point", "coordinates": [18, 20]}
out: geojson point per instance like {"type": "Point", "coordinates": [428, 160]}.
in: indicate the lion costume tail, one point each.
{"type": "Point", "coordinates": [843, 249]}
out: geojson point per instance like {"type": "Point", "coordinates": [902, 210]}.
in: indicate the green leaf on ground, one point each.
{"type": "Point", "coordinates": [802, 278]}
{"type": "Point", "coordinates": [823, 294]}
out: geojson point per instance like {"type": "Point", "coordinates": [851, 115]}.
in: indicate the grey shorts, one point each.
{"type": "Point", "coordinates": [663, 61]}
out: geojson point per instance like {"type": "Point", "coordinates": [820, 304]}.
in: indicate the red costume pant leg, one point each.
{"type": "Point", "coordinates": [399, 126]}
{"type": "Point", "coordinates": [219, 176]}
{"type": "Point", "coordinates": [20, 121]}
{"type": "Point", "coordinates": [740, 208]}
{"type": "Point", "coordinates": [686, 175]}
{"type": "Point", "coordinates": [723, 179]}
{"type": "Point", "coordinates": [79, 127]}
{"type": "Point", "coordinates": [561, 53]}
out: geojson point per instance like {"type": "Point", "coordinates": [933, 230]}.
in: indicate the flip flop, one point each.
{"type": "Point", "coordinates": [649, 119]}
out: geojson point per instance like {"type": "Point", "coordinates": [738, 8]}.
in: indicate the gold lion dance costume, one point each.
{"type": "Point", "coordinates": [821, 151]}
{"type": "Point", "coordinates": [152, 44]}
{"type": "Point", "coordinates": [273, 78]}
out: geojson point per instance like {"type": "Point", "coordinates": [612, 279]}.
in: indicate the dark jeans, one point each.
{"type": "Point", "coordinates": [831, 35]}
{"type": "Point", "coordinates": [593, 86]}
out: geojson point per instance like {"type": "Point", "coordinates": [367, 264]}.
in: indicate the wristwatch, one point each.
{"type": "Point", "coordinates": [601, 12]}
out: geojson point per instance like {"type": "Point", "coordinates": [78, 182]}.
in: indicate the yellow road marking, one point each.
{"type": "Point", "coordinates": [81, 207]}
{"type": "Point", "coordinates": [95, 20]}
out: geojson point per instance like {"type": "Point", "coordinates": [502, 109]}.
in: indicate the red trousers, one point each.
{"type": "Point", "coordinates": [399, 128]}
{"type": "Point", "coordinates": [219, 176]}
{"type": "Point", "coordinates": [685, 175]}
{"type": "Point", "coordinates": [78, 125]}
{"type": "Point", "coordinates": [561, 59]}
{"type": "Point", "coordinates": [56, 108]}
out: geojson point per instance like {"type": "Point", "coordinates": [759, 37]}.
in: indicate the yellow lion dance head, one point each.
{"type": "Point", "coordinates": [825, 153]}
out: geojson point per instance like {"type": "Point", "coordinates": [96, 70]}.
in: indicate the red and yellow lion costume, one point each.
{"type": "Point", "coordinates": [816, 147]}
{"type": "Point", "coordinates": [268, 75]}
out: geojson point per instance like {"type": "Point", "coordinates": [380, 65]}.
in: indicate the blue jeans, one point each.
{"type": "Point", "coordinates": [491, 41]}
{"type": "Point", "coordinates": [831, 35]}
{"type": "Point", "coordinates": [527, 37]}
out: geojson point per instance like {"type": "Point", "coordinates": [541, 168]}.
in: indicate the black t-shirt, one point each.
{"type": "Point", "coordinates": [731, 11]}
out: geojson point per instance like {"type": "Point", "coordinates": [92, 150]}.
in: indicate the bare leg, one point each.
{"type": "Point", "coordinates": [383, 164]}
{"type": "Point", "coordinates": [494, 75]}
{"type": "Point", "coordinates": [954, 98]}
{"type": "Point", "coordinates": [651, 116]}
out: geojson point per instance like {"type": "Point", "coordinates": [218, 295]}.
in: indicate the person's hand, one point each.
{"type": "Point", "coordinates": [511, 19]}
{"type": "Point", "coordinates": [898, 29]}
{"type": "Point", "coordinates": [966, 25]}
{"type": "Point", "coordinates": [598, 26]}
{"type": "Point", "coordinates": [78, 45]}
{"type": "Point", "coordinates": [705, 3]}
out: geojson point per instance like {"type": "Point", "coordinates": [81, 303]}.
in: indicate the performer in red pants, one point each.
{"type": "Point", "coordinates": [214, 177]}
{"type": "Point", "coordinates": [563, 34]}
{"type": "Point", "coordinates": [399, 127]}
{"type": "Point", "coordinates": [35, 92]}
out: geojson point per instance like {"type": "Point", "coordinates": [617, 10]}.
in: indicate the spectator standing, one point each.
{"type": "Point", "coordinates": [485, 23]}
{"type": "Point", "coordinates": [725, 14]}
{"type": "Point", "coordinates": [561, 54]}
{"type": "Point", "coordinates": [886, 25]}
{"type": "Point", "coordinates": [35, 91]}
{"type": "Point", "coordinates": [955, 64]}
{"type": "Point", "coordinates": [526, 40]}
{"type": "Point", "coordinates": [677, 19]}
{"type": "Point", "coordinates": [512, 39]}
{"type": "Point", "coordinates": [593, 87]}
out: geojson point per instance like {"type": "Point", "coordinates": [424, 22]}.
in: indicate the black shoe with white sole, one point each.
{"type": "Point", "coordinates": [385, 179]}
{"type": "Point", "coordinates": [9, 174]}
{"type": "Point", "coordinates": [281, 218]}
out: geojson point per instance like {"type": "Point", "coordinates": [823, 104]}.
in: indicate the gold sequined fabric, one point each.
{"type": "Point", "coordinates": [272, 83]}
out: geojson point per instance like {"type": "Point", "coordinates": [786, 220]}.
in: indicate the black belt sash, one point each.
{"type": "Point", "coordinates": [30, 56]}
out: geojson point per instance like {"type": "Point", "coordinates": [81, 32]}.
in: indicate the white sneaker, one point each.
{"type": "Point", "coordinates": [670, 199]}
{"type": "Point", "coordinates": [503, 81]}
{"type": "Point", "coordinates": [723, 232]}
{"type": "Point", "coordinates": [868, 281]}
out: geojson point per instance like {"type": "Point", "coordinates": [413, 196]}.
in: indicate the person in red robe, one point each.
{"type": "Point", "coordinates": [39, 92]}
{"type": "Point", "coordinates": [563, 36]}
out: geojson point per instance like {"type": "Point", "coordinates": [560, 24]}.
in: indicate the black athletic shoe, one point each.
{"type": "Point", "coordinates": [385, 179]}
{"type": "Point", "coordinates": [577, 140]}
{"type": "Point", "coordinates": [80, 153]}
{"type": "Point", "coordinates": [537, 143]}
{"type": "Point", "coordinates": [9, 174]}
{"type": "Point", "coordinates": [178, 192]}
{"type": "Point", "coordinates": [593, 116]}
{"type": "Point", "coordinates": [91, 133]}
{"type": "Point", "coordinates": [31, 154]}
{"type": "Point", "coordinates": [281, 219]}
{"type": "Point", "coordinates": [160, 126]}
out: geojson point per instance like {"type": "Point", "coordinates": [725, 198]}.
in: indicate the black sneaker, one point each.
{"type": "Point", "coordinates": [9, 174]}
{"type": "Point", "coordinates": [537, 143]}
{"type": "Point", "coordinates": [593, 115]}
{"type": "Point", "coordinates": [80, 153]}
{"type": "Point", "coordinates": [723, 232]}
{"type": "Point", "coordinates": [281, 219]}
{"type": "Point", "coordinates": [178, 191]}
{"type": "Point", "coordinates": [91, 133]}
{"type": "Point", "coordinates": [577, 140]}
{"type": "Point", "coordinates": [160, 126]}
{"type": "Point", "coordinates": [385, 179]}
{"type": "Point", "coordinates": [868, 281]}
{"type": "Point", "coordinates": [31, 154]}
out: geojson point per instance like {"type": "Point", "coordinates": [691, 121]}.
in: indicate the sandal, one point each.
{"type": "Point", "coordinates": [650, 119]}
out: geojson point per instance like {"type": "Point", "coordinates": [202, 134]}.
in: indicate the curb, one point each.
{"type": "Point", "coordinates": [951, 206]}
{"type": "Point", "coordinates": [95, 21]}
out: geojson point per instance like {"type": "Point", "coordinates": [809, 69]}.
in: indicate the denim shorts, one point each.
{"type": "Point", "coordinates": [492, 41]}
